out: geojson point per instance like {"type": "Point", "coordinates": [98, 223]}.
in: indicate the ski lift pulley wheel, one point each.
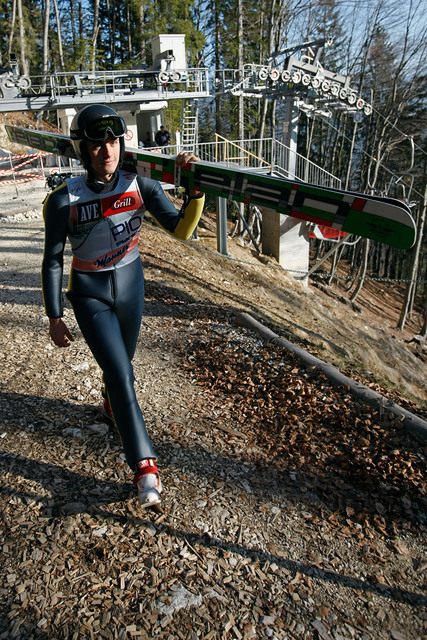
{"type": "Point", "coordinates": [164, 76]}
{"type": "Point", "coordinates": [326, 85]}
{"type": "Point", "coordinates": [24, 82]}
{"type": "Point", "coordinates": [8, 83]}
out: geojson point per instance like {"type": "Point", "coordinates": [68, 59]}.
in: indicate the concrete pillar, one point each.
{"type": "Point", "coordinates": [65, 117]}
{"type": "Point", "coordinates": [287, 240]}
{"type": "Point", "coordinates": [178, 140]}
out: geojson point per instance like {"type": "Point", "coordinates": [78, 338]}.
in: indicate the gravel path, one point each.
{"type": "Point", "coordinates": [245, 547]}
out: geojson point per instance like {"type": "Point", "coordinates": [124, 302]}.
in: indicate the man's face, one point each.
{"type": "Point", "coordinates": [104, 157]}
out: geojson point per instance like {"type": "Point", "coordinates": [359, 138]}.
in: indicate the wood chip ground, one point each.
{"type": "Point", "coordinates": [289, 512]}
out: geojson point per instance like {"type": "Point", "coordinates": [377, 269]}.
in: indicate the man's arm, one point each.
{"type": "Point", "coordinates": [180, 224]}
{"type": "Point", "coordinates": [55, 213]}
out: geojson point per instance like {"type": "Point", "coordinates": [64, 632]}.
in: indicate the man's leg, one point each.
{"type": "Point", "coordinates": [102, 332]}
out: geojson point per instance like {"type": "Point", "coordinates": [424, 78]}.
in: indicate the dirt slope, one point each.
{"type": "Point", "coordinates": [361, 339]}
{"type": "Point", "coordinates": [290, 510]}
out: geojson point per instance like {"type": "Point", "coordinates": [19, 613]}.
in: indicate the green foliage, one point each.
{"type": "Point", "coordinates": [126, 29]}
{"type": "Point", "coordinates": [4, 29]}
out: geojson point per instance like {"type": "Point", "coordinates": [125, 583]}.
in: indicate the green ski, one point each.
{"type": "Point", "coordinates": [382, 219]}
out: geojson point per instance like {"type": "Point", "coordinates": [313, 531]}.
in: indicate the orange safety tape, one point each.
{"type": "Point", "coordinates": [2, 182]}
{"type": "Point", "coordinates": [27, 155]}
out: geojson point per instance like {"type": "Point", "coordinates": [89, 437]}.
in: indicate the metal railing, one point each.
{"type": "Point", "coordinates": [265, 155]}
{"type": "Point", "coordinates": [291, 164]}
{"type": "Point", "coordinates": [108, 85]}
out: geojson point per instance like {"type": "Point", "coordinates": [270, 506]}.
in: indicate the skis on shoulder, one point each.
{"type": "Point", "coordinates": [381, 219]}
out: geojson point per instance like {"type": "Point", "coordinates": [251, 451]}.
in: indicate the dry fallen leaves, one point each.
{"type": "Point", "coordinates": [362, 463]}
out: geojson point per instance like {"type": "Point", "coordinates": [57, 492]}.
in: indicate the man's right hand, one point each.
{"type": "Point", "coordinates": [60, 333]}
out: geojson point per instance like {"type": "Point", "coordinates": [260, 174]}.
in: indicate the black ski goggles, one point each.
{"type": "Point", "coordinates": [110, 126]}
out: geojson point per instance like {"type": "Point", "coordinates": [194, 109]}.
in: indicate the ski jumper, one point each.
{"type": "Point", "coordinates": [106, 284]}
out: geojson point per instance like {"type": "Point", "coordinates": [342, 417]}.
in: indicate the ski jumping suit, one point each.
{"type": "Point", "coordinates": [106, 285]}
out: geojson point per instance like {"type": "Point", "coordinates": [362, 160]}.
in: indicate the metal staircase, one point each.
{"type": "Point", "coordinates": [190, 124]}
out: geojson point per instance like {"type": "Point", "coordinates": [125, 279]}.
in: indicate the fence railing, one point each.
{"type": "Point", "coordinates": [107, 85]}
{"type": "Point", "coordinates": [20, 168]}
{"type": "Point", "coordinates": [265, 155]}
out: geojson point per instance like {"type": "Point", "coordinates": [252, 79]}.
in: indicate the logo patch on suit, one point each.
{"type": "Point", "coordinates": [124, 203]}
{"type": "Point", "coordinates": [88, 212]}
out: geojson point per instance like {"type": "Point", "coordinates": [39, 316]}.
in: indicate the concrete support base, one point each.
{"type": "Point", "coordinates": [287, 240]}
{"type": "Point", "coordinates": [65, 117]}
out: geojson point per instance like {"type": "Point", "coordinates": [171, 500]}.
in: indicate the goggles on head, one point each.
{"type": "Point", "coordinates": [110, 126]}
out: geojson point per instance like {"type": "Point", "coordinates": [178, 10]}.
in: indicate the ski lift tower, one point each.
{"type": "Point", "coordinates": [296, 78]}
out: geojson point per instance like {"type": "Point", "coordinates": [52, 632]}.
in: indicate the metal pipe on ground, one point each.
{"type": "Point", "coordinates": [411, 422]}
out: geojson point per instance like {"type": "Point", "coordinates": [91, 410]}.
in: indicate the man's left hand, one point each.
{"type": "Point", "coordinates": [185, 156]}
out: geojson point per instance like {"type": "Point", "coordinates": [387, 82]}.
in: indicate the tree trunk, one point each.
{"type": "Point", "coordinates": [73, 23]}
{"type": "Point", "coordinates": [81, 37]}
{"type": "Point", "coordinates": [423, 332]}
{"type": "Point", "coordinates": [270, 49]}
{"type": "Point", "coordinates": [12, 28]}
{"type": "Point", "coordinates": [58, 27]}
{"type": "Point", "coordinates": [240, 62]}
{"type": "Point", "coordinates": [113, 31]}
{"type": "Point", "coordinates": [240, 110]}
{"type": "Point", "coordinates": [25, 67]}
{"type": "Point", "coordinates": [310, 131]}
{"type": "Point", "coordinates": [94, 34]}
{"type": "Point", "coordinates": [129, 30]}
{"type": "Point", "coordinates": [410, 289]}
{"type": "Point", "coordinates": [262, 120]}
{"type": "Point", "coordinates": [45, 63]}
{"type": "Point", "coordinates": [364, 267]}
{"type": "Point", "coordinates": [217, 58]}
{"type": "Point", "coordinates": [141, 20]}
{"type": "Point", "coordinates": [350, 157]}
{"type": "Point", "coordinates": [336, 257]}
